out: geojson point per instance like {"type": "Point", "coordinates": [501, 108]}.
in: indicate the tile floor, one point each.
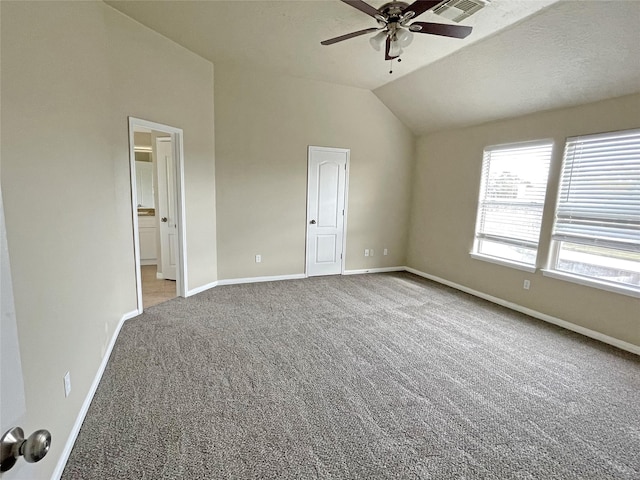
{"type": "Point", "coordinates": [155, 291]}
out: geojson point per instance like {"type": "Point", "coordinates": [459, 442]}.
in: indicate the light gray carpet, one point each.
{"type": "Point", "coordinates": [368, 376]}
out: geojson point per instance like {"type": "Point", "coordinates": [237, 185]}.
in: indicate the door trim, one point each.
{"type": "Point", "coordinates": [347, 152]}
{"type": "Point", "coordinates": [178, 151]}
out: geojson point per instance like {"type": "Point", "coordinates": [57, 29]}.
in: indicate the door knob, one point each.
{"type": "Point", "coordinates": [13, 445]}
{"type": "Point", "coordinates": [312, 222]}
{"type": "Point", "coordinates": [164, 219]}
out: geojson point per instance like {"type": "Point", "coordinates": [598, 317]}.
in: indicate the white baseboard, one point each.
{"type": "Point", "coordinates": [159, 276]}
{"type": "Point", "coordinates": [73, 435]}
{"type": "Point", "coordinates": [151, 261]}
{"type": "Point", "coordinates": [621, 344]}
{"type": "Point", "coordinates": [276, 278]}
{"type": "Point", "coordinates": [374, 270]}
{"type": "Point", "coordinates": [202, 288]}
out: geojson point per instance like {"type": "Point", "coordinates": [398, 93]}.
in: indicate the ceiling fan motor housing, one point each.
{"type": "Point", "coordinates": [393, 10]}
{"type": "Point", "coordinates": [393, 17]}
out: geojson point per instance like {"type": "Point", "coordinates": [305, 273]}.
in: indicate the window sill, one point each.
{"type": "Point", "coordinates": [505, 263]}
{"type": "Point", "coordinates": [590, 282]}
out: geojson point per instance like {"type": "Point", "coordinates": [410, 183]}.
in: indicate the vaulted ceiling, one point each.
{"type": "Point", "coordinates": [523, 55]}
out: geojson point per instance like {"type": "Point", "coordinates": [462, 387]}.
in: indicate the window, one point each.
{"type": "Point", "coordinates": [596, 232]}
{"type": "Point", "coordinates": [512, 192]}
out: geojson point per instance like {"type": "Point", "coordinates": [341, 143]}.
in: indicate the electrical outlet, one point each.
{"type": "Point", "coordinates": [366, 252]}
{"type": "Point", "coordinates": [526, 284]}
{"type": "Point", "coordinates": [67, 384]}
{"type": "Point", "coordinates": [371, 252]}
{"type": "Point", "coordinates": [385, 252]}
{"type": "Point", "coordinates": [258, 258]}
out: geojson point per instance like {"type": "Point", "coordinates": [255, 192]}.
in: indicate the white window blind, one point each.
{"type": "Point", "coordinates": [599, 195]}
{"type": "Point", "coordinates": [512, 194]}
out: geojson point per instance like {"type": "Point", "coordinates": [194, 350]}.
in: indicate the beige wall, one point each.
{"type": "Point", "coordinates": [444, 206]}
{"type": "Point", "coordinates": [264, 124]}
{"type": "Point", "coordinates": [71, 74]}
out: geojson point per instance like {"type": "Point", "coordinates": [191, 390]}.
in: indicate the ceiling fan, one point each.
{"type": "Point", "coordinates": [393, 27]}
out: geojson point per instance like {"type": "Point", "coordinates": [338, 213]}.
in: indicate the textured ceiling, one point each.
{"type": "Point", "coordinates": [569, 54]}
{"type": "Point", "coordinates": [523, 55]}
{"type": "Point", "coordinates": [285, 35]}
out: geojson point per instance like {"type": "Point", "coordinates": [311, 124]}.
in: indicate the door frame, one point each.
{"type": "Point", "coordinates": [347, 151]}
{"type": "Point", "coordinates": [178, 152]}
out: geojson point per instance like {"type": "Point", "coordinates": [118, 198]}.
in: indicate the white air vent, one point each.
{"type": "Point", "coordinates": [458, 10]}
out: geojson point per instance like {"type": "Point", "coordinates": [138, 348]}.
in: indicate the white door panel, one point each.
{"type": "Point", "coordinates": [325, 210]}
{"type": "Point", "coordinates": [328, 184]}
{"type": "Point", "coordinates": [167, 208]}
{"type": "Point", "coordinates": [325, 249]}
{"type": "Point", "coordinates": [13, 406]}
{"type": "Point", "coordinates": [173, 254]}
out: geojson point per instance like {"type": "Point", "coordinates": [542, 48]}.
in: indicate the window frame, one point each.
{"type": "Point", "coordinates": [551, 268]}
{"type": "Point", "coordinates": [592, 282]}
{"type": "Point", "coordinates": [477, 234]}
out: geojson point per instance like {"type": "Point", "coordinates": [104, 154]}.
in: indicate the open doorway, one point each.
{"type": "Point", "coordinates": [157, 186]}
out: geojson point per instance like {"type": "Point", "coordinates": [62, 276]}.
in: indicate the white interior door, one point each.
{"type": "Point", "coordinates": [326, 210]}
{"type": "Point", "coordinates": [13, 407]}
{"type": "Point", "coordinates": [167, 207]}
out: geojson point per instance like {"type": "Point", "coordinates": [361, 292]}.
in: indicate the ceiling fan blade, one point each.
{"type": "Point", "coordinates": [331, 41]}
{"type": "Point", "coordinates": [421, 6]}
{"type": "Point", "coordinates": [455, 31]}
{"type": "Point", "coordinates": [363, 7]}
{"type": "Point", "coordinates": [386, 50]}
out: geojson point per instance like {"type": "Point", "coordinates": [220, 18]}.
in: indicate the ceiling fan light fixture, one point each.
{"type": "Point", "coordinates": [377, 40]}
{"type": "Point", "coordinates": [404, 37]}
{"type": "Point", "coordinates": [395, 50]}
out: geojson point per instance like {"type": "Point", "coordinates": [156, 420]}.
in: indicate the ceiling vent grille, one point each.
{"type": "Point", "coordinates": [458, 10]}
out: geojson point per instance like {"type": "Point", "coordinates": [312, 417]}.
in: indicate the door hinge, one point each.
{"type": "Point", "coordinates": [343, 211]}
{"type": "Point", "coordinates": [340, 256]}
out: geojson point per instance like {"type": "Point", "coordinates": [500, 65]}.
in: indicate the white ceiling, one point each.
{"type": "Point", "coordinates": [569, 54]}
{"type": "Point", "coordinates": [285, 35]}
{"type": "Point", "coordinates": [523, 55]}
